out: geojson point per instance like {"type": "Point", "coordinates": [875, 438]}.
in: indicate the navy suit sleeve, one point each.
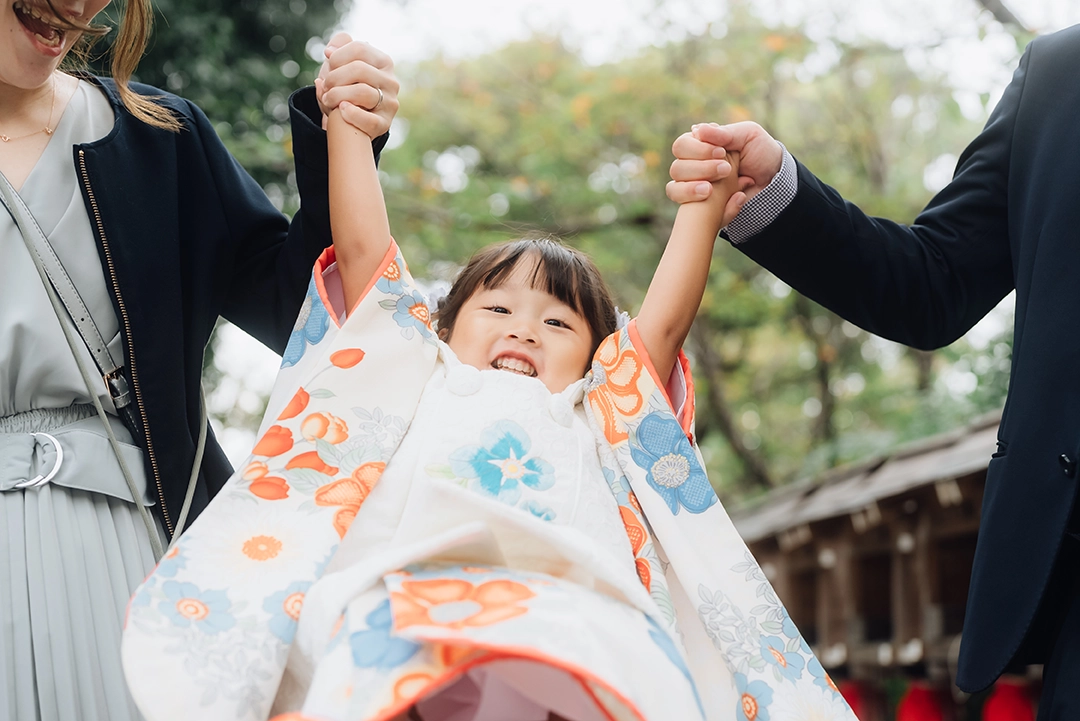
{"type": "Point", "coordinates": [272, 257]}
{"type": "Point", "coordinates": [923, 285]}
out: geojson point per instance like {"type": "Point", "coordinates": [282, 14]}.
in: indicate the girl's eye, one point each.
{"type": "Point", "coordinates": [556, 322]}
{"type": "Point", "coordinates": [498, 309]}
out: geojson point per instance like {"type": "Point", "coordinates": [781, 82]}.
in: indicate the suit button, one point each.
{"type": "Point", "coordinates": [1068, 465]}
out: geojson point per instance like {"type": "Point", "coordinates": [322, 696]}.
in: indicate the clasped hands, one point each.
{"type": "Point", "coordinates": [700, 161]}
{"type": "Point", "coordinates": [358, 80]}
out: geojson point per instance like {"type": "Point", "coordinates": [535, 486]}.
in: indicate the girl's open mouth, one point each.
{"type": "Point", "coordinates": [37, 23]}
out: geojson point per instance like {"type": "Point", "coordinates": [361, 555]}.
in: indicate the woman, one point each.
{"type": "Point", "coordinates": [160, 231]}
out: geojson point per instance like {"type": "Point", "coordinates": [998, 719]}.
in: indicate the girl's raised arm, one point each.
{"type": "Point", "coordinates": [358, 219]}
{"type": "Point", "coordinates": [679, 281]}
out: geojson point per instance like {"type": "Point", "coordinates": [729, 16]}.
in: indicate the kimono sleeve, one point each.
{"type": "Point", "coordinates": [624, 383]}
{"type": "Point", "coordinates": [233, 586]}
{"type": "Point", "coordinates": [742, 649]}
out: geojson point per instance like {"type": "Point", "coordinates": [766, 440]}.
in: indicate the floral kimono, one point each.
{"type": "Point", "coordinates": [542, 553]}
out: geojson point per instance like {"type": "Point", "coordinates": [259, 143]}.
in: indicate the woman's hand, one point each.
{"type": "Point", "coordinates": [358, 80]}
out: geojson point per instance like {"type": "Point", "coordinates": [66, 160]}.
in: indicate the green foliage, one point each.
{"type": "Point", "coordinates": [530, 138]}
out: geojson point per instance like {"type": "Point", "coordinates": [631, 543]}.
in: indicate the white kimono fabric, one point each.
{"type": "Point", "coordinates": [483, 573]}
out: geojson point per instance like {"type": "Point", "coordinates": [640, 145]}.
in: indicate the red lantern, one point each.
{"type": "Point", "coordinates": [1009, 701]}
{"type": "Point", "coordinates": [921, 703]}
{"type": "Point", "coordinates": [856, 696]}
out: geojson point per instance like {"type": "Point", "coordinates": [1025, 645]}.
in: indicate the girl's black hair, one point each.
{"type": "Point", "coordinates": [559, 270]}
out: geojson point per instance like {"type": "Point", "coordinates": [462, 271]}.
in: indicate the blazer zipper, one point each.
{"type": "Point", "coordinates": [131, 347]}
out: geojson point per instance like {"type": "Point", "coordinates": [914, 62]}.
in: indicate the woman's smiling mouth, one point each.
{"type": "Point", "coordinates": [38, 24]}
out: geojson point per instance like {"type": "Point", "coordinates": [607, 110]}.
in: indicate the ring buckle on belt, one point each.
{"type": "Point", "coordinates": [42, 479]}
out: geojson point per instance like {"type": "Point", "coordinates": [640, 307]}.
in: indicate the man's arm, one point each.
{"type": "Point", "coordinates": [923, 285]}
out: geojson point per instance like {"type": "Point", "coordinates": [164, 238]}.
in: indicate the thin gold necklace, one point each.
{"type": "Point", "coordinates": [47, 130]}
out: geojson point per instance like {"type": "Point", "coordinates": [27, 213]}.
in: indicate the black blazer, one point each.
{"type": "Point", "coordinates": [1009, 219]}
{"type": "Point", "coordinates": [186, 235]}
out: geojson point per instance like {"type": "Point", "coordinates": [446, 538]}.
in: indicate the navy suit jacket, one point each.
{"type": "Point", "coordinates": [1009, 219]}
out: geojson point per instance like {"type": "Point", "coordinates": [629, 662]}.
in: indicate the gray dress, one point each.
{"type": "Point", "coordinates": [73, 548]}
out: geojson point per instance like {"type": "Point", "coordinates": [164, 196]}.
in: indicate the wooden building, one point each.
{"type": "Point", "coordinates": [873, 561]}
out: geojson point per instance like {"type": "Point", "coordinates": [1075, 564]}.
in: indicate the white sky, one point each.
{"type": "Point", "coordinates": [410, 30]}
{"type": "Point", "coordinates": [951, 36]}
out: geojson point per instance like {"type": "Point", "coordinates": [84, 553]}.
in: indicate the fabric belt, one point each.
{"type": "Point", "coordinates": [77, 456]}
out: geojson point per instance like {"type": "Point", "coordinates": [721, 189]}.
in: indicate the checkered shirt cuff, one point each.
{"type": "Point", "coordinates": [764, 207]}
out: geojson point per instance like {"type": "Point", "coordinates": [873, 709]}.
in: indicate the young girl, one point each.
{"type": "Point", "coordinates": [498, 516]}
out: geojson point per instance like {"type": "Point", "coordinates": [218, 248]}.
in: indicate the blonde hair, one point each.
{"type": "Point", "coordinates": [127, 50]}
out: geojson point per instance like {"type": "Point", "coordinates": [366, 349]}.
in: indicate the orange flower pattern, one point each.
{"type": "Point", "coordinates": [275, 441]}
{"type": "Point", "coordinates": [346, 358]}
{"type": "Point", "coordinates": [326, 426]}
{"type": "Point", "coordinates": [270, 488]}
{"type": "Point", "coordinates": [296, 406]}
{"type": "Point", "coordinates": [311, 459]}
{"type": "Point", "coordinates": [456, 604]}
{"type": "Point", "coordinates": [349, 493]}
{"type": "Point", "coordinates": [616, 372]}
{"type": "Point", "coordinates": [261, 548]}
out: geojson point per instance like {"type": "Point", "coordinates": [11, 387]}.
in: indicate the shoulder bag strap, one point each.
{"type": "Point", "coordinates": [65, 299]}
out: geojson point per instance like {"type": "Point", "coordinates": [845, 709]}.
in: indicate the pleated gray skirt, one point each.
{"type": "Point", "coordinates": [72, 551]}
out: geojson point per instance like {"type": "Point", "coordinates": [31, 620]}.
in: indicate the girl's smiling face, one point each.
{"type": "Point", "coordinates": [517, 328]}
{"type": "Point", "coordinates": [33, 40]}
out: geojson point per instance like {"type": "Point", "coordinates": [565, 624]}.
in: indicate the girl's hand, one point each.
{"type": "Point", "coordinates": [358, 80]}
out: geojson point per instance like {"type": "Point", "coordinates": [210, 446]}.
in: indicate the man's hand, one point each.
{"type": "Point", "coordinates": [700, 161]}
{"type": "Point", "coordinates": [358, 80]}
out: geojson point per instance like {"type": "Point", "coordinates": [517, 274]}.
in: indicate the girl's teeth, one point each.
{"type": "Point", "coordinates": [516, 366]}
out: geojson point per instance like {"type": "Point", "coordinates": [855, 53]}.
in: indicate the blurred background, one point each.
{"type": "Point", "coordinates": [855, 464]}
{"type": "Point", "coordinates": [559, 116]}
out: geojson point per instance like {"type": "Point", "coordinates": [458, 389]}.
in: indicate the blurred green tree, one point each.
{"type": "Point", "coordinates": [530, 138]}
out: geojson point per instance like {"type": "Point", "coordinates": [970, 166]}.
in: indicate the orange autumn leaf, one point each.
{"type": "Point", "coordinates": [270, 488]}
{"type": "Point", "coordinates": [311, 460]}
{"type": "Point", "coordinates": [296, 405]}
{"type": "Point", "coordinates": [275, 441]}
{"type": "Point", "coordinates": [347, 358]}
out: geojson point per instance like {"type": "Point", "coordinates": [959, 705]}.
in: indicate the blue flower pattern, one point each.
{"type": "Point", "coordinates": [374, 647]}
{"type": "Point", "coordinates": [187, 606]}
{"type": "Point", "coordinates": [282, 624]}
{"type": "Point", "coordinates": [785, 664]}
{"type": "Point", "coordinates": [502, 464]}
{"type": "Point", "coordinates": [821, 678]}
{"type": "Point", "coordinates": [311, 325]}
{"type": "Point", "coordinates": [661, 446]}
{"type": "Point", "coordinates": [539, 510]}
{"type": "Point", "coordinates": [405, 316]}
{"type": "Point", "coordinates": [754, 699]}
{"type": "Point", "coordinates": [171, 563]}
